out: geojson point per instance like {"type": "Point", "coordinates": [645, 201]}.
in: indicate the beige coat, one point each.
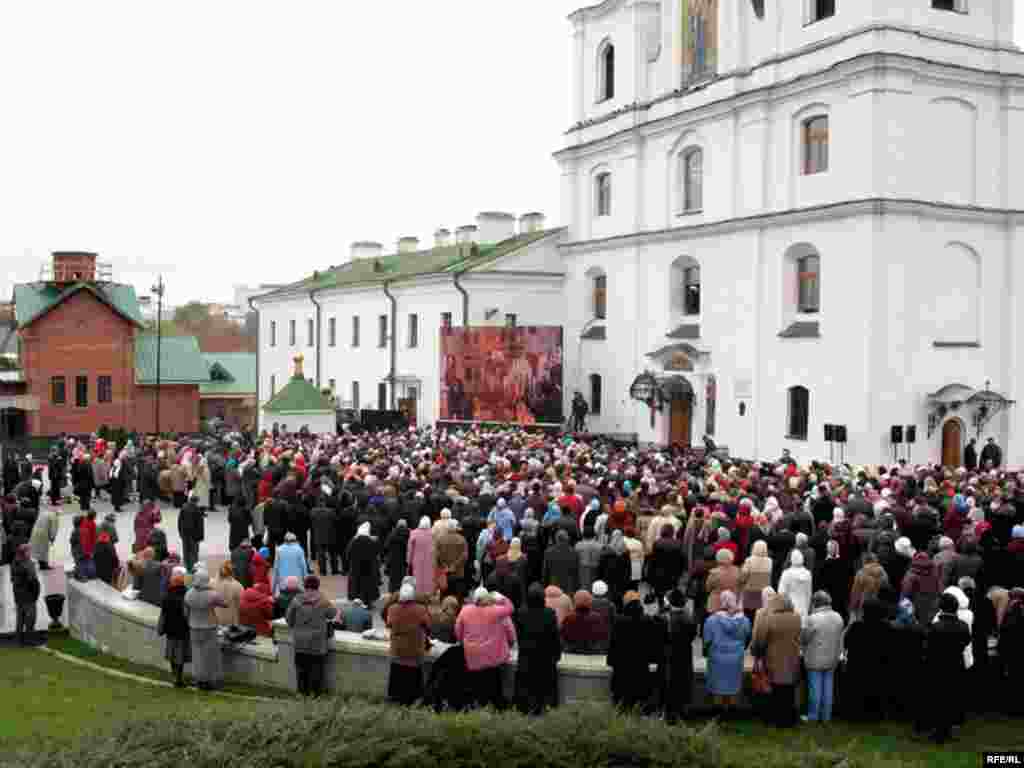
{"type": "Point", "coordinates": [755, 575]}
{"type": "Point", "coordinates": [778, 641]}
{"type": "Point", "coordinates": [231, 591]}
{"type": "Point", "coordinates": [721, 579]}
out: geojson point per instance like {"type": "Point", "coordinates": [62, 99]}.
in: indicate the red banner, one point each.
{"type": "Point", "coordinates": [511, 375]}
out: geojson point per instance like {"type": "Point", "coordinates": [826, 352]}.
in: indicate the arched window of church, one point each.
{"type": "Point", "coordinates": [808, 275]}
{"type": "Point", "coordinates": [595, 393]}
{"type": "Point", "coordinates": [799, 412]}
{"type": "Point", "coordinates": [603, 194]}
{"type": "Point", "coordinates": [711, 398]}
{"type": "Point", "coordinates": [600, 296]}
{"type": "Point", "coordinates": [606, 72]}
{"type": "Point", "coordinates": [693, 180]}
{"type": "Point", "coordinates": [815, 141]}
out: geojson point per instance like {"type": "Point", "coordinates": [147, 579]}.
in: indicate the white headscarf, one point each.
{"type": "Point", "coordinates": [364, 530]}
{"type": "Point", "coordinates": [424, 523]}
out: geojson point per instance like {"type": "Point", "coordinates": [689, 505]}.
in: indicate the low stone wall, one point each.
{"type": "Point", "coordinates": [103, 618]}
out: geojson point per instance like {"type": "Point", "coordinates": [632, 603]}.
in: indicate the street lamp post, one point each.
{"type": "Point", "coordinates": [158, 289]}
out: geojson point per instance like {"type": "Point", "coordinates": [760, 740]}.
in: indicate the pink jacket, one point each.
{"type": "Point", "coordinates": [487, 635]}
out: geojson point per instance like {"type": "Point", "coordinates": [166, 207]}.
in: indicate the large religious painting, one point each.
{"type": "Point", "coordinates": [700, 38]}
{"type": "Point", "coordinates": [510, 375]}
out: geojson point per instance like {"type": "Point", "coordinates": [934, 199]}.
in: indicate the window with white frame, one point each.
{"type": "Point", "coordinates": [291, 333]}
{"type": "Point", "coordinates": [603, 194]}
{"type": "Point", "coordinates": [808, 285]}
{"type": "Point", "coordinates": [600, 296]}
{"type": "Point", "coordinates": [332, 332]}
{"type": "Point", "coordinates": [595, 394]}
{"type": "Point", "coordinates": [685, 286]}
{"type": "Point", "coordinates": [691, 290]}
{"type": "Point", "coordinates": [799, 412]}
{"type": "Point", "coordinates": [821, 9]}
{"type": "Point", "coordinates": [692, 168]}
{"type": "Point", "coordinates": [959, 6]}
{"type": "Point", "coordinates": [814, 142]}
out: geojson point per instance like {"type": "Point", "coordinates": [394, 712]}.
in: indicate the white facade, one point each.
{"type": "Point", "coordinates": [528, 282]}
{"type": "Point", "coordinates": [318, 423]}
{"type": "Point", "coordinates": [917, 221]}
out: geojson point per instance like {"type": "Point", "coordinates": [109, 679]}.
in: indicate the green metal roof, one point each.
{"type": "Point", "coordinates": [231, 373]}
{"type": "Point", "coordinates": [299, 396]}
{"type": "Point", "coordinates": [181, 362]}
{"type": "Point", "coordinates": [403, 266]}
{"type": "Point", "coordinates": [33, 300]}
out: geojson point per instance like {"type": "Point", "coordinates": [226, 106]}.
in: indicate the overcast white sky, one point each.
{"type": "Point", "coordinates": [245, 141]}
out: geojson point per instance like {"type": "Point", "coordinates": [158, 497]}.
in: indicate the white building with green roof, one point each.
{"type": "Point", "coordinates": [370, 327]}
{"type": "Point", "coordinates": [299, 404]}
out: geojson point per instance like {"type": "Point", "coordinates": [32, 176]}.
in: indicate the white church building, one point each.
{"type": "Point", "coordinates": [780, 215]}
{"type": "Point", "coordinates": [798, 213]}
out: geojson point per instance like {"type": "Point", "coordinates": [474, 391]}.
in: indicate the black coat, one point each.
{"type": "Point", "coordinates": [363, 569]}
{"type": "Point", "coordinates": [614, 570]}
{"type": "Point", "coordinates": [540, 649]}
{"type": "Point", "coordinates": [944, 660]}
{"type": "Point", "coordinates": [637, 642]}
{"type": "Point", "coordinates": [240, 560]}
{"type": "Point", "coordinates": [173, 622]}
{"type": "Point", "coordinates": [25, 582]}
{"type": "Point", "coordinates": [105, 558]}
{"type": "Point", "coordinates": [562, 568]}
{"type": "Point", "coordinates": [321, 518]}
{"type": "Point", "coordinates": [907, 673]}
{"type": "Point", "coordinates": [866, 675]}
{"type": "Point", "coordinates": [677, 669]}
{"type": "Point", "coordinates": [666, 565]}
{"type": "Point", "coordinates": [239, 520]}
{"type": "Point", "coordinates": [395, 549]}
{"type": "Point", "coordinates": [191, 522]}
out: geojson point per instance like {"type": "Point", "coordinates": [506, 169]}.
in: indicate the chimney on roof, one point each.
{"type": "Point", "coordinates": [495, 226]}
{"type": "Point", "coordinates": [298, 366]}
{"type": "Point", "coordinates": [442, 238]}
{"type": "Point", "coordinates": [467, 233]}
{"type": "Point", "coordinates": [74, 267]}
{"type": "Point", "coordinates": [366, 249]}
{"type": "Point", "coordinates": [531, 222]}
{"type": "Point", "coordinates": [408, 244]}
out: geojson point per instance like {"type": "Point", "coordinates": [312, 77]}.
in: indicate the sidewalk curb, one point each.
{"type": "Point", "coordinates": [144, 680]}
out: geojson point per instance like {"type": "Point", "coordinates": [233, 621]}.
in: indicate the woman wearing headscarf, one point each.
{"type": "Point", "coordinates": [755, 575]}
{"type": "Point", "coordinates": [364, 568]}
{"type": "Point", "coordinates": [230, 591]}
{"type": "Point", "coordinates": [822, 641]}
{"type": "Point", "coordinates": [795, 584]}
{"type": "Point", "coordinates": [207, 662]}
{"type": "Point", "coordinates": [108, 566]}
{"type": "Point", "coordinates": [540, 649]}
{"type": "Point", "coordinates": [559, 602]}
{"type": "Point", "coordinates": [173, 627]}
{"type": "Point", "coordinates": [396, 547]}
{"type": "Point", "coordinates": [724, 577]}
{"type": "Point", "coordinates": [835, 577]}
{"type": "Point", "coordinates": [420, 556]}
{"type": "Point", "coordinates": [948, 637]}
{"type": "Point", "coordinates": [26, 587]}
{"type": "Point", "coordinates": [680, 631]}
{"type": "Point", "coordinates": [146, 519]}
{"type": "Point", "coordinates": [487, 635]}
{"type": "Point", "coordinates": [308, 618]}
{"type": "Point", "coordinates": [869, 648]}
{"type": "Point", "coordinates": [442, 620]}
{"type": "Point", "coordinates": [778, 642]}
{"type": "Point", "coordinates": [921, 586]}
{"type": "Point", "coordinates": [409, 623]}
{"type": "Point", "coordinates": [613, 568]}
{"type": "Point", "coordinates": [726, 635]}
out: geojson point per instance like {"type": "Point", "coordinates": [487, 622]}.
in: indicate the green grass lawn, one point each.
{"type": "Point", "coordinates": [51, 704]}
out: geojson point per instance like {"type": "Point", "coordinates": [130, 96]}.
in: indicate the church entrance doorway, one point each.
{"type": "Point", "coordinates": [679, 433]}
{"type": "Point", "coordinates": [952, 443]}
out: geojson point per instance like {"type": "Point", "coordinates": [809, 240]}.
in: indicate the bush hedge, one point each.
{"type": "Point", "coordinates": [351, 733]}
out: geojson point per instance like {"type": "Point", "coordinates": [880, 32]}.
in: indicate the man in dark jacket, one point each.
{"type": "Point", "coordinates": [395, 548]}
{"type": "Point", "coordinates": [322, 521]}
{"type": "Point", "coordinates": [562, 565]}
{"type": "Point", "coordinates": [991, 455]}
{"type": "Point", "coordinates": [944, 661]}
{"type": "Point", "coordinates": [192, 529]}
{"type": "Point", "coordinates": [540, 650]}
{"type": "Point", "coordinates": [971, 455]}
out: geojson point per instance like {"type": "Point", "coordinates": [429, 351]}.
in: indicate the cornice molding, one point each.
{"type": "Point", "coordinates": [867, 207]}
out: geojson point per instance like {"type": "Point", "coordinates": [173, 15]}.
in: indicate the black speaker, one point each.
{"type": "Point", "coordinates": [830, 433]}
{"type": "Point", "coordinates": [896, 434]}
{"type": "Point", "coordinates": [840, 433]}
{"type": "Point", "coordinates": [911, 433]}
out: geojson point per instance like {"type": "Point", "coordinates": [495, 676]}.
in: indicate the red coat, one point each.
{"type": "Point", "coordinates": [87, 536]}
{"type": "Point", "coordinates": [259, 570]}
{"type": "Point", "coordinates": [257, 609]}
{"type": "Point", "coordinates": [265, 487]}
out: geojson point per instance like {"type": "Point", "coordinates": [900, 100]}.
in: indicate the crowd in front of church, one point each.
{"type": "Point", "coordinates": [866, 591]}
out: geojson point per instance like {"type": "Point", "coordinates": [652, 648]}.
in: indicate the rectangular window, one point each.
{"type": "Point", "coordinates": [58, 390]}
{"type": "Point", "coordinates": [603, 193]}
{"type": "Point", "coordinates": [355, 331]}
{"type": "Point", "coordinates": [331, 383]}
{"type": "Point", "coordinates": [601, 297]}
{"type": "Point", "coordinates": [822, 9]}
{"type": "Point", "coordinates": [273, 385]}
{"type": "Point", "coordinates": [291, 333]}
{"type": "Point", "coordinates": [946, 5]}
{"type": "Point", "coordinates": [809, 284]}
{"type": "Point", "coordinates": [104, 389]}
{"type": "Point", "coordinates": [799, 412]}
{"type": "Point", "coordinates": [310, 333]}
{"type": "Point", "coordinates": [691, 291]}
{"type": "Point", "coordinates": [446, 320]}
{"type": "Point", "coordinates": [382, 396]}
{"type": "Point", "coordinates": [332, 332]}
{"type": "Point", "coordinates": [595, 394]}
{"type": "Point", "coordinates": [81, 391]}
{"type": "Point", "coordinates": [355, 395]}
{"type": "Point", "coordinates": [382, 331]}
{"type": "Point", "coordinates": [815, 145]}
{"type": "Point", "coordinates": [510, 320]}
{"type": "Point", "coordinates": [414, 330]}
{"type": "Point", "coordinates": [273, 333]}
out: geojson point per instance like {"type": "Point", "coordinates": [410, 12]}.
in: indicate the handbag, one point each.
{"type": "Point", "coordinates": [760, 683]}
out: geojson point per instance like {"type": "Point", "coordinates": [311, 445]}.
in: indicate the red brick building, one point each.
{"type": "Point", "coordinates": [85, 360]}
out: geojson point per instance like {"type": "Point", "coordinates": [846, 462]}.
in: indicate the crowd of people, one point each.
{"type": "Point", "coordinates": [888, 591]}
